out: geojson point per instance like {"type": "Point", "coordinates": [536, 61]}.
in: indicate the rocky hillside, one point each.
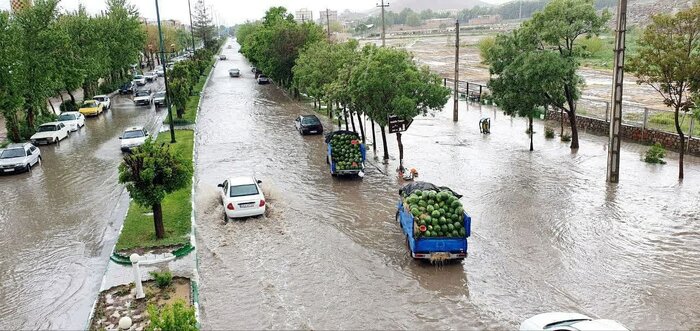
{"type": "Point", "coordinates": [640, 11]}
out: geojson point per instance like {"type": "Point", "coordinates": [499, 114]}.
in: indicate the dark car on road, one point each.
{"type": "Point", "coordinates": [308, 124]}
{"type": "Point", "coordinates": [159, 99]}
{"type": "Point", "coordinates": [127, 88]}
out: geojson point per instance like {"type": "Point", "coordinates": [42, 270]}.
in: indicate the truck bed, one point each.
{"type": "Point", "coordinates": [428, 248]}
{"type": "Point", "coordinates": [346, 172]}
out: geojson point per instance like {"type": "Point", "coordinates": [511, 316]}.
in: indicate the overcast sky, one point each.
{"type": "Point", "coordinates": [228, 12]}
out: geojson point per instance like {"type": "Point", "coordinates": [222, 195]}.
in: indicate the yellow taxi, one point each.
{"type": "Point", "coordinates": [91, 108]}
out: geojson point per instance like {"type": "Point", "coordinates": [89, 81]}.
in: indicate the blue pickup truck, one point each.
{"type": "Point", "coordinates": [349, 159]}
{"type": "Point", "coordinates": [435, 246]}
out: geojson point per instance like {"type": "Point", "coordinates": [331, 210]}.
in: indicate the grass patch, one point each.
{"type": "Point", "coordinates": [190, 116]}
{"type": "Point", "coordinates": [599, 53]}
{"type": "Point", "coordinates": [4, 144]}
{"type": "Point", "coordinates": [665, 121]}
{"type": "Point", "coordinates": [139, 232]}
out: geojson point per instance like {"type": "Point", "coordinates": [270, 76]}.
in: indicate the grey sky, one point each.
{"type": "Point", "coordinates": [228, 12]}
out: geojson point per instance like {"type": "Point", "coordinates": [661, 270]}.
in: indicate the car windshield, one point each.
{"type": "Point", "coordinates": [133, 134]}
{"type": "Point", "coordinates": [243, 190]}
{"type": "Point", "coordinates": [142, 93]}
{"type": "Point", "coordinates": [310, 121]}
{"type": "Point", "coordinates": [66, 117]}
{"type": "Point", "coordinates": [46, 128]}
{"type": "Point", "coordinates": [138, 77]}
{"type": "Point", "coordinates": [90, 104]}
{"type": "Point", "coordinates": [160, 94]}
{"type": "Point", "coordinates": [12, 153]}
{"type": "Point", "coordinates": [100, 98]}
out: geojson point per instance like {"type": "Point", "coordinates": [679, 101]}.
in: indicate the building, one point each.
{"type": "Point", "coordinates": [18, 5]}
{"type": "Point", "coordinates": [332, 16]}
{"type": "Point", "coordinates": [486, 19]}
{"type": "Point", "coordinates": [304, 15]}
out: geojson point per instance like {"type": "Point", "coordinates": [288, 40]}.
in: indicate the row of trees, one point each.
{"type": "Point", "coordinates": [370, 81]}
{"type": "Point", "coordinates": [536, 65]}
{"type": "Point", "coordinates": [45, 52]}
{"type": "Point", "coordinates": [184, 76]}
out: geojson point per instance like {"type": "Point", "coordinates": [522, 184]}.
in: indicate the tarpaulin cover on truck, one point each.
{"type": "Point", "coordinates": [334, 133]}
{"type": "Point", "coordinates": [408, 189]}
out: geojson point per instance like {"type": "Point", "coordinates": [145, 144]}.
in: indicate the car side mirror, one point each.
{"type": "Point", "coordinates": [259, 181]}
{"type": "Point", "coordinates": [120, 137]}
{"type": "Point", "coordinates": [220, 185]}
{"type": "Point", "coordinates": [147, 134]}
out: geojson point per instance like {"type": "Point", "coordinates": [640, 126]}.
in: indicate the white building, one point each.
{"type": "Point", "coordinates": [304, 15]}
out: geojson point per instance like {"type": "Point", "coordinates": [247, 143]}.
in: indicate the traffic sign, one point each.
{"type": "Point", "coordinates": [397, 124]}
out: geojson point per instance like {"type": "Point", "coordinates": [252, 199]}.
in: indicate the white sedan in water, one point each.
{"type": "Point", "coordinates": [52, 132]}
{"type": "Point", "coordinates": [242, 197]}
{"type": "Point", "coordinates": [73, 120]}
{"type": "Point", "coordinates": [569, 322]}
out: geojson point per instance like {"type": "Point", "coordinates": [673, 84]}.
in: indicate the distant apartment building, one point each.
{"type": "Point", "coordinates": [486, 19]}
{"type": "Point", "coordinates": [304, 15]}
{"type": "Point", "coordinates": [18, 5]}
{"type": "Point", "coordinates": [331, 15]}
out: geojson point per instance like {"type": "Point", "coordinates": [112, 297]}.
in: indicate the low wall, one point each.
{"type": "Point", "coordinates": [633, 133]}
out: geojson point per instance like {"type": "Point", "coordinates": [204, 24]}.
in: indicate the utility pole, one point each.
{"type": "Point", "coordinates": [455, 114]}
{"type": "Point", "coordinates": [383, 5]}
{"type": "Point", "coordinates": [613, 174]}
{"type": "Point", "coordinates": [328, 25]}
{"type": "Point", "coordinates": [521, 10]}
{"type": "Point", "coordinates": [165, 77]}
{"type": "Point", "coordinates": [191, 25]}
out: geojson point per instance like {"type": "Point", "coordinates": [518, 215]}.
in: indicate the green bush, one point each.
{"type": "Point", "coordinates": [566, 137]}
{"type": "Point", "coordinates": [548, 132]}
{"type": "Point", "coordinates": [175, 317]}
{"type": "Point", "coordinates": [655, 154]}
{"type": "Point", "coordinates": [68, 105]}
{"type": "Point", "coordinates": [108, 88]}
{"type": "Point", "coordinates": [591, 46]}
{"type": "Point", "coordinates": [163, 279]}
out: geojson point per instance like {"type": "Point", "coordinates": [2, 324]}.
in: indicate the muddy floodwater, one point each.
{"type": "Point", "coordinates": [58, 223]}
{"type": "Point", "coordinates": [548, 233]}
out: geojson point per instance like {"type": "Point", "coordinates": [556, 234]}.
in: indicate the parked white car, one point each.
{"type": "Point", "coordinates": [159, 72]}
{"type": "Point", "coordinates": [73, 120]}
{"type": "Point", "coordinates": [104, 100]}
{"type": "Point", "coordinates": [19, 157]}
{"type": "Point", "coordinates": [242, 197]}
{"type": "Point", "coordinates": [569, 322]}
{"type": "Point", "coordinates": [133, 137]}
{"type": "Point", "coordinates": [51, 132]}
{"type": "Point", "coordinates": [139, 80]}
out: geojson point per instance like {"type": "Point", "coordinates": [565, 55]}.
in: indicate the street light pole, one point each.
{"type": "Point", "coordinates": [165, 77]}
{"type": "Point", "coordinates": [191, 25]}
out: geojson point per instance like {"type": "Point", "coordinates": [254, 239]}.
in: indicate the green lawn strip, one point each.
{"type": "Point", "coordinates": [139, 232]}
{"type": "Point", "coordinates": [4, 144]}
{"type": "Point", "coordinates": [190, 115]}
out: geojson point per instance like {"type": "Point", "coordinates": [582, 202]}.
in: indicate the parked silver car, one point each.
{"type": "Point", "coordinates": [19, 157]}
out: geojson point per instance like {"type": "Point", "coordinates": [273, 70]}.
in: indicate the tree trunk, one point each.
{"type": "Point", "coordinates": [681, 153]}
{"type": "Point", "coordinates": [14, 127]}
{"type": "Point", "coordinates": [574, 130]}
{"type": "Point", "coordinates": [362, 129]}
{"type": "Point", "coordinates": [345, 114]}
{"type": "Point", "coordinates": [158, 220]}
{"type": "Point", "coordinates": [352, 121]}
{"type": "Point", "coordinates": [398, 139]}
{"type": "Point", "coordinates": [72, 97]}
{"type": "Point", "coordinates": [374, 140]}
{"type": "Point", "coordinates": [532, 148]}
{"type": "Point", "coordinates": [30, 118]}
{"type": "Point", "coordinates": [561, 120]}
{"type": "Point", "coordinates": [51, 104]}
{"type": "Point", "coordinates": [386, 149]}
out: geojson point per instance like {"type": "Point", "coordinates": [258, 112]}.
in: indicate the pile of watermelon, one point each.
{"type": "Point", "coordinates": [436, 214]}
{"type": "Point", "coordinates": [346, 152]}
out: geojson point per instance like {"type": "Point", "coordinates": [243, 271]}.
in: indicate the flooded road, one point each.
{"type": "Point", "coordinates": [548, 234]}
{"type": "Point", "coordinates": [59, 222]}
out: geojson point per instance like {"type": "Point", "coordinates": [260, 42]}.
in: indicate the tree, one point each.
{"type": "Point", "coordinates": [150, 172]}
{"type": "Point", "coordinates": [11, 75]}
{"type": "Point", "coordinates": [414, 19]}
{"type": "Point", "coordinates": [201, 24]}
{"type": "Point", "coordinates": [668, 60]}
{"type": "Point", "coordinates": [553, 30]}
{"type": "Point", "coordinates": [387, 82]}
{"type": "Point", "coordinates": [179, 86]}
{"type": "Point", "coordinates": [124, 37]}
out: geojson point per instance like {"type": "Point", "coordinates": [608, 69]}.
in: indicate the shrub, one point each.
{"type": "Point", "coordinates": [68, 105]}
{"type": "Point", "coordinates": [163, 279]}
{"type": "Point", "coordinates": [566, 137]}
{"type": "Point", "coordinates": [175, 317]}
{"type": "Point", "coordinates": [655, 154]}
{"type": "Point", "coordinates": [591, 46]}
{"type": "Point", "coordinates": [548, 132]}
